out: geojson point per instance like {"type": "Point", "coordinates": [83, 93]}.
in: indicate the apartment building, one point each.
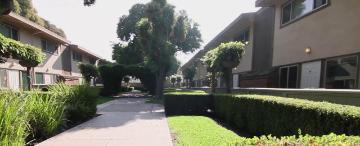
{"type": "Point", "coordinates": [62, 57]}
{"type": "Point", "coordinates": [255, 68]}
{"type": "Point", "coordinates": [316, 43]}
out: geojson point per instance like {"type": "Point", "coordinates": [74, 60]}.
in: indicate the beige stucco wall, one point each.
{"type": "Point", "coordinates": [246, 61]}
{"type": "Point", "coordinates": [331, 31]}
{"type": "Point", "coordinates": [35, 40]}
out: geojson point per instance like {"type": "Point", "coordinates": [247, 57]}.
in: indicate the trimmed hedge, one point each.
{"type": "Point", "coordinates": [188, 104]}
{"type": "Point", "coordinates": [261, 114]}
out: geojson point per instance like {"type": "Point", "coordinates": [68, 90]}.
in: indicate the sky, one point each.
{"type": "Point", "coordinates": [94, 27]}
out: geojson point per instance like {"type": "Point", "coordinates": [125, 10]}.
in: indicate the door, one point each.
{"type": "Point", "coordinates": [14, 79]}
{"type": "Point", "coordinates": [311, 74]}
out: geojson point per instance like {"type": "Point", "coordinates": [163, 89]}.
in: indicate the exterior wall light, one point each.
{"type": "Point", "coordinates": [308, 50]}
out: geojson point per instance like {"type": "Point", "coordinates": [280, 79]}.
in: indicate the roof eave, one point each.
{"type": "Point", "coordinates": [77, 47]}
{"type": "Point", "coordinates": [35, 26]}
{"type": "Point", "coordinates": [264, 3]}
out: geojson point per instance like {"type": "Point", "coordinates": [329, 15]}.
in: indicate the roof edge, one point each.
{"type": "Point", "coordinates": [38, 27]}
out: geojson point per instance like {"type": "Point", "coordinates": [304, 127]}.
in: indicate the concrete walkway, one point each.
{"type": "Point", "coordinates": [123, 122]}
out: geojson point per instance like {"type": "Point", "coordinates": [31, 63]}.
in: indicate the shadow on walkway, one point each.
{"type": "Point", "coordinates": [124, 121]}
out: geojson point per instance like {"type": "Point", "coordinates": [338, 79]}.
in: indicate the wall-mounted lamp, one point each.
{"type": "Point", "coordinates": [308, 50]}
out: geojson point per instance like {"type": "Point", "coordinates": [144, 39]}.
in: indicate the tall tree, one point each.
{"type": "Point", "coordinates": [189, 74]}
{"type": "Point", "coordinates": [159, 32]}
{"type": "Point", "coordinates": [127, 54]}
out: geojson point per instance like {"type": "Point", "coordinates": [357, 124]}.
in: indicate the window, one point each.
{"type": "Point", "coordinates": [244, 36]}
{"type": "Point", "coordinates": [49, 47]}
{"type": "Point", "coordinates": [341, 73]}
{"type": "Point", "coordinates": [77, 57]}
{"type": "Point", "coordinates": [298, 8]}
{"type": "Point", "coordinates": [9, 31]}
{"type": "Point", "coordinates": [3, 78]}
{"type": "Point", "coordinates": [289, 77]}
{"type": "Point", "coordinates": [39, 78]}
{"type": "Point", "coordinates": [24, 79]}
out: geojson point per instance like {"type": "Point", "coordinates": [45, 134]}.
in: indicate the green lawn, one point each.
{"type": "Point", "coordinates": [200, 131]}
{"type": "Point", "coordinates": [102, 99]}
{"type": "Point", "coordinates": [183, 92]}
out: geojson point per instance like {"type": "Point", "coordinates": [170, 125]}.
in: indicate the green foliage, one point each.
{"type": "Point", "coordinates": [226, 55]}
{"type": "Point", "coordinates": [28, 55]}
{"type": "Point", "coordinates": [172, 67]}
{"type": "Point", "coordinates": [197, 130]}
{"type": "Point", "coordinates": [173, 79]}
{"type": "Point", "coordinates": [113, 74]}
{"type": "Point", "coordinates": [88, 71]}
{"type": "Point", "coordinates": [26, 9]}
{"type": "Point", "coordinates": [188, 104]}
{"type": "Point", "coordinates": [261, 114]}
{"type": "Point", "coordinates": [178, 79]}
{"type": "Point", "coordinates": [35, 115]}
{"type": "Point", "coordinates": [189, 74]}
{"type": "Point", "coordinates": [46, 113]}
{"type": "Point", "coordinates": [81, 103]}
{"type": "Point", "coordinates": [159, 32]}
{"type": "Point", "coordinates": [223, 59]}
{"type": "Point", "coordinates": [13, 116]}
{"type": "Point", "coordinates": [127, 54]}
{"type": "Point", "coordinates": [184, 92]}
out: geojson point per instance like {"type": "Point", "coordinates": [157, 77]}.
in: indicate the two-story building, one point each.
{"type": "Point", "coordinates": [296, 44]}
{"type": "Point", "coordinates": [256, 31]}
{"type": "Point", "coordinates": [62, 57]}
{"type": "Point", "coordinates": [316, 43]}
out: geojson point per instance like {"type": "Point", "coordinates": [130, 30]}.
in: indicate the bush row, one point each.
{"type": "Point", "coordinates": [188, 104]}
{"type": "Point", "coordinates": [261, 114]}
{"type": "Point", "coordinates": [302, 140]}
{"type": "Point", "coordinates": [36, 115]}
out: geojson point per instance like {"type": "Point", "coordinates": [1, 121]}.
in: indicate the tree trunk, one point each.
{"type": "Point", "coordinates": [213, 82]}
{"type": "Point", "coordinates": [160, 77]}
{"type": "Point", "coordinates": [228, 79]}
{"type": "Point", "coordinates": [29, 78]}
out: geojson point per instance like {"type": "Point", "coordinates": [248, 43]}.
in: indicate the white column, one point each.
{"type": "Point", "coordinates": [218, 82]}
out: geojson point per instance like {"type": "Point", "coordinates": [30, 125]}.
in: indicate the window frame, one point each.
{"type": "Point", "coordinates": [43, 78]}
{"type": "Point", "coordinates": [12, 29]}
{"type": "Point", "coordinates": [74, 53]}
{"type": "Point", "coordinates": [56, 51]}
{"type": "Point", "coordinates": [292, 20]}
{"type": "Point", "coordinates": [244, 32]}
{"type": "Point", "coordinates": [357, 76]}
{"type": "Point", "coordinates": [287, 75]}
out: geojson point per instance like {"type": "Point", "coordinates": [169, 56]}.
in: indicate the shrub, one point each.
{"type": "Point", "coordinates": [88, 71]}
{"type": "Point", "coordinates": [46, 113]}
{"type": "Point", "coordinates": [82, 105]}
{"type": "Point", "coordinates": [261, 114]}
{"type": "Point", "coordinates": [188, 104]}
{"type": "Point", "coordinates": [13, 118]}
{"type": "Point", "coordinates": [80, 100]}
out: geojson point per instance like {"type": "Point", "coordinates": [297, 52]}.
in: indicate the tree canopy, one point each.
{"type": "Point", "coordinates": [159, 32]}
{"type": "Point", "coordinates": [25, 8]}
{"type": "Point", "coordinates": [223, 59]}
{"type": "Point", "coordinates": [28, 55]}
{"type": "Point", "coordinates": [88, 71]}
